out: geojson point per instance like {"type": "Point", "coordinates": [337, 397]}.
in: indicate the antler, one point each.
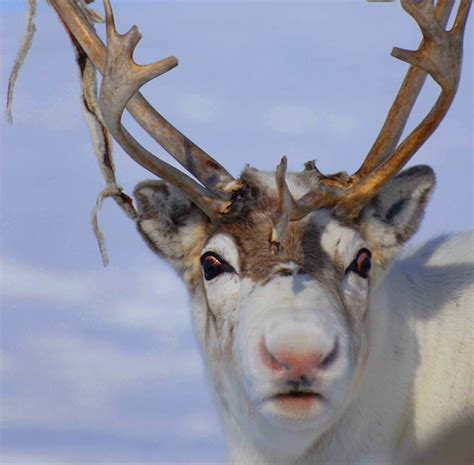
{"type": "Point", "coordinates": [214, 198]}
{"type": "Point", "coordinates": [400, 110]}
{"type": "Point", "coordinates": [122, 79]}
{"type": "Point", "coordinates": [439, 55]}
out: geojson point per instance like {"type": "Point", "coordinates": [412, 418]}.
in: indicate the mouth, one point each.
{"type": "Point", "coordinates": [296, 395]}
{"type": "Point", "coordinates": [294, 405]}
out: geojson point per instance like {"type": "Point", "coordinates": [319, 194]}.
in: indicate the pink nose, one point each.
{"type": "Point", "coordinates": [300, 359]}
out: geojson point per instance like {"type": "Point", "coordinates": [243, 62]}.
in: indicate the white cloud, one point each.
{"type": "Point", "coordinates": [35, 459]}
{"type": "Point", "coordinates": [51, 459]}
{"type": "Point", "coordinates": [4, 363]}
{"type": "Point", "coordinates": [79, 374]}
{"type": "Point", "coordinates": [24, 281]}
{"type": "Point", "coordinates": [197, 108]}
{"type": "Point", "coordinates": [290, 119]}
{"type": "Point", "coordinates": [198, 426]}
{"type": "Point", "coordinates": [298, 119]}
{"type": "Point", "coordinates": [131, 314]}
{"type": "Point", "coordinates": [98, 370]}
{"type": "Point", "coordinates": [84, 379]}
{"type": "Point", "coordinates": [341, 124]}
{"type": "Point", "coordinates": [147, 300]}
{"type": "Point", "coordinates": [61, 110]}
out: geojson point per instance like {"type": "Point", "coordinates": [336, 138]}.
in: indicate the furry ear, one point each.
{"type": "Point", "coordinates": [172, 226]}
{"type": "Point", "coordinates": [395, 214]}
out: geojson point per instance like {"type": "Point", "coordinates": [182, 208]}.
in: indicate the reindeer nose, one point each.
{"type": "Point", "coordinates": [298, 352]}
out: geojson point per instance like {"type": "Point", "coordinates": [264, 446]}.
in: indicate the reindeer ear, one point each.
{"type": "Point", "coordinates": [170, 224]}
{"type": "Point", "coordinates": [395, 214]}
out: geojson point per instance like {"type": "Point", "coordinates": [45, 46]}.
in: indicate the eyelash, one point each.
{"type": "Point", "coordinates": [216, 267]}
{"type": "Point", "coordinates": [362, 268]}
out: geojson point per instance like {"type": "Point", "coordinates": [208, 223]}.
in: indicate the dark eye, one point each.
{"type": "Point", "coordinates": [361, 264]}
{"type": "Point", "coordinates": [213, 265]}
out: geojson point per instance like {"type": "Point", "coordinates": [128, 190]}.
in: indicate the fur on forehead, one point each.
{"type": "Point", "coordinates": [302, 250]}
{"type": "Point", "coordinates": [313, 245]}
{"type": "Point", "coordinates": [386, 222]}
{"type": "Point", "coordinates": [263, 183]}
{"type": "Point", "coordinates": [322, 243]}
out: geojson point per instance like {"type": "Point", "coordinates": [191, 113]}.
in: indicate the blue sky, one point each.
{"type": "Point", "coordinates": [100, 365]}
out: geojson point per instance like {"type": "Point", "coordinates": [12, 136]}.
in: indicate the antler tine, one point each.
{"type": "Point", "coordinates": [440, 55]}
{"type": "Point", "coordinates": [287, 208]}
{"type": "Point", "coordinates": [461, 19]}
{"type": "Point", "coordinates": [201, 165]}
{"type": "Point", "coordinates": [327, 194]}
{"type": "Point", "coordinates": [402, 106]}
{"type": "Point", "coordinates": [122, 76]}
{"type": "Point", "coordinates": [122, 79]}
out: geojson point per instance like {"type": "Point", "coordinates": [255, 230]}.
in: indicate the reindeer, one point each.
{"type": "Point", "coordinates": [322, 346]}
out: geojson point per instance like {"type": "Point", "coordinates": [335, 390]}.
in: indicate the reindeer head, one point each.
{"type": "Point", "coordinates": [280, 267]}
{"type": "Point", "coordinates": [283, 332]}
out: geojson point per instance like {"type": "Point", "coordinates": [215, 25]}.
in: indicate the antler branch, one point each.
{"type": "Point", "coordinates": [287, 207]}
{"type": "Point", "coordinates": [189, 155]}
{"type": "Point", "coordinates": [121, 81]}
{"type": "Point", "coordinates": [439, 55]}
{"type": "Point", "coordinates": [402, 106]}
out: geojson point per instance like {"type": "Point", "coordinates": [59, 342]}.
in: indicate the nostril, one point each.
{"type": "Point", "coordinates": [331, 357]}
{"type": "Point", "coordinates": [293, 384]}
{"type": "Point", "coordinates": [305, 381]}
{"type": "Point", "coordinates": [301, 382]}
{"type": "Point", "coordinates": [269, 359]}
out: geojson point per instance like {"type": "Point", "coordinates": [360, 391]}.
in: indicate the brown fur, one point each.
{"type": "Point", "coordinates": [182, 230]}
{"type": "Point", "coordinates": [258, 259]}
{"type": "Point", "coordinates": [251, 231]}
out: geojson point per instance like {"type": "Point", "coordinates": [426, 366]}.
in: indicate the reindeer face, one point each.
{"type": "Point", "coordinates": [290, 325]}
{"type": "Point", "coordinates": [284, 332]}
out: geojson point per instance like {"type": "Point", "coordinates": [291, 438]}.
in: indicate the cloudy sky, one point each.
{"type": "Point", "coordinates": [100, 365]}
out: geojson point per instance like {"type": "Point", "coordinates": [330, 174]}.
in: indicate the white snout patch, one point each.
{"type": "Point", "coordinates": [288, 304]}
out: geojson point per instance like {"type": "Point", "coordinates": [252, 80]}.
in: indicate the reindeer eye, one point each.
{"type": "Point", "coordinates": [213, 265]}
{"type": "Point", "coordinates": [361, 264]}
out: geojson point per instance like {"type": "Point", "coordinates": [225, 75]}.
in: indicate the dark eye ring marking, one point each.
{"type": "Point", "coordinates": [361, 264]}
{"type": "Point", "coordinates": [213, 265]}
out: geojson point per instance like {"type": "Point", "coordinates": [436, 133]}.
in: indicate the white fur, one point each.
{"type": "Point", "coordinates": [403, 371]}
{"type": "Point", "coordinates": [224, 245]}
{"type": "Point", "coordinates": [415, 379]}
{"type": "Point", "coordinates": [338, 240]}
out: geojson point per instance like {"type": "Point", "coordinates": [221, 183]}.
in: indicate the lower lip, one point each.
{"type": "Point", "coordinates": [299, 405]}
